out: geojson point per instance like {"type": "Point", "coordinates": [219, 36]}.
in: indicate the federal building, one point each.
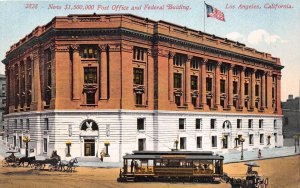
{"type": "Point", "coordinates": [138, 84]}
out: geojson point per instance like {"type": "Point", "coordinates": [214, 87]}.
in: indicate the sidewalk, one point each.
{"type": "Point", "coordinates": [232, 157]}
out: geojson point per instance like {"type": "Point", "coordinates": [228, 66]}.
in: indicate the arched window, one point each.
{"type": "Point", "coordinates": [89, 125]}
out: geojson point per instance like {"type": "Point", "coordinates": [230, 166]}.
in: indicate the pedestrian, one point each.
{"type": "Point", "coordinates": [136, 166]}
{"type": "Point", "coordinates": [131, 165]}
{"type": "Point", "coordinates": [259, 153]}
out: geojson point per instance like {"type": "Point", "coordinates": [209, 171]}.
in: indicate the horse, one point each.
{"type": "Point", "coordinates": [29, 160]}
{"type": "Point", "coordinates": [71, 165]}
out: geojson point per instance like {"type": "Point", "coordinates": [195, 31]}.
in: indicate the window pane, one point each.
{"type": "Point", "coordinates": [138, 76]}
{"type": "Point", "coordinates": [90, 75]}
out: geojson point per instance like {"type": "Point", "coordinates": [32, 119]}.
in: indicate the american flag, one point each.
{"type": "Point", "coordinates": [215, 13]}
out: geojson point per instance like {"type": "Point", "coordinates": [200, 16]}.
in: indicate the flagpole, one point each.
{"type": "Point", "coordinates": [204, 17]}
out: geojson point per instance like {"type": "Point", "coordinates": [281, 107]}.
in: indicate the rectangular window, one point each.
{"type": "Point", "coordinates": [199, 142]}
{"type": "Point", "coordinates": [138, 98]}
{"type": "Point", "coordinates": [273, 92]}
{"type": "Point", "coordinates": [90, 75]}
{"type": "Point", "coordinates": [222, 101]}
{"type": "Point", "coordinates": [261, 138]}
{"type": "Point", "coordinates": [178, 60]}
{"type": "Point", "coordinates": [178, 100]}
{"type": "Point", "coordinates": [45, 145]}
{"type": "Point", "coordinates": [142, 144]}
{"type": "Point", "coordinates": [235, 84]}
{"type": "Point", "coordinates": [214, 141]}
{"type": "Point", "coordinates": [209, 68]}
{"type": "Point", "coordinates": [208, 84]}
{"type": "Point", "coordinates": [182, 142]}
{"type": "Point", "coordinates": [235, 71]}
{"type": "Point", "coordinates": [139, 54]}
{"type": "Point", "coordinates": [194, 101]}
{"type": "Point", "coordinates": [89, 52]}
{"type": "Point", "coordinates": [16, 124]}
{"type": "Point", "coordinates": [21, 123]}
{"type": "Point", "coordinates": [251, 139]}
{"type": "Point", "coordinates": [275, 137]}
{"type": "Point", "coordinates": [27, 124]}
{"type": "Point", "coordinates": [212, 123]}
{"type": "Point", "coordinates": [138, 76]}
{"type": "Point", "coordinates": [261, 121]}
{"type": "Point", "coordinates": [181, 123]}
{"type": "Point", "coordinates": [198, 123]}
{"type": "Point", "coordinates": [195, 63]}
{"type": "Point", "coordinates": [140, 124]}
{"type": "Point", "coordinates": [246, 89]}
{"type": "Point", "coordinates": [222, 86]}
{"type": "Point", "coordinates": [223, 69]}
{"type": "Point", "coordinates": [194, 82]}
{"type": "Point", "coordinates": [90, 98]}
{"type": "Point", "coordinates": [239, 123]}
{"type": "Point", "coordinates": [177, 80]}
{"type": "Point", "coordinates": [256, 90]}
{"type": "Point", "coordinates": [275, 123]}
{"type": "Point", "coordinates": [48, 56]}
{"type": "Point", "coordinates": [46, 124]}
{"type": "Point", "coordinates": [250, 123]}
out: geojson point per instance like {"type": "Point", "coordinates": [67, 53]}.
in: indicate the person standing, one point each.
{"type": "Point", "coordinates": [259, 153]}
{"type": "Point", "coordinates": [131, 165]}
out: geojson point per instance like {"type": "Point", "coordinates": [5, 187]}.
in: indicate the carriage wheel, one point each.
{"type": "Point", "coordinates": [266, 181]}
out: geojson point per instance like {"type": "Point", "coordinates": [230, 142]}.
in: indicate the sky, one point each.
{"type": "Point", "coordinates": [267, 25]}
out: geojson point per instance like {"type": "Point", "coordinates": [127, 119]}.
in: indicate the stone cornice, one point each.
{"type": "Point", "coordinates": [140, 35]}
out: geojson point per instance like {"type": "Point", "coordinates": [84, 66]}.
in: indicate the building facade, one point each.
{"type": "Point", "coordinates": [291, 117]}
{"type": "Point", "coordinates": [138, 84]}
{"type": "Point", "coordinates": [2, 103]}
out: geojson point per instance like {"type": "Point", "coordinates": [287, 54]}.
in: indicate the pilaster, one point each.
{"type": "Point", "coordinates": [217, 85]}
{"type": "Point", "coordinates": [188, 81]}
{"type": "Point", "coordinates": [75, 69]}
{"type": "Point", "coordinates": [103, 72]}
{"type": "Point", "coordinates": [203, 84]}
{"type": "Point", "coordinates": [230, 86]}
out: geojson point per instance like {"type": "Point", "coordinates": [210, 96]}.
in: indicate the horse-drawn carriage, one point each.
{"type": "Point", "coordinates": [251, 180]}
{"type": "Point", "coordinates": [11, 160]}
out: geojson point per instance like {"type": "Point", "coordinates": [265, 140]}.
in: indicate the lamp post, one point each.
{"type": "Point", "coordinates": [26, 139]}
{"type": "Point", "coordinates": [68, 143]}
{"type": "Point", "coordinates": [106, 144]}
{"type": "Point", "coordinates": [242, 140]}
{"type": "Point", "coordinates": [176, 144]}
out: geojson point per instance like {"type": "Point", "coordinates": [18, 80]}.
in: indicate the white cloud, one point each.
{"type": "Point", "coordinates": [260, 36]}
{"type": "Point", "coordinates": [256, 37]}
{"type": "Point", "coordinates": [235, 36]}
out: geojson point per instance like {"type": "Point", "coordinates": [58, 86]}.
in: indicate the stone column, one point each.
{"type": "Point", "coordinates": [75, 69]}
{"type": "Point", "coordinates": [269, 92]}
{"type": "Point", "coordinates": [253, 81]}
{"type": "Point", "coordinates": [278, 94]}
{"type": "Point", "coordinates": [217, 85]}
{"type": "Point", "coordinates": [36, 84]}
{"type": "Point", "coordinates": [171, 76]}
{"type": "Point", "coordinates": [230, 86]}
{"type": "Point", "coordinates": [19, 88]}
{"type": "Point", "coordinates": [188, 80]}
{"type": "Point", "coordinates": [203, 83]}
{"type": "Point", "coordinates": [242, 88]}
{"type": "Point", "coordinates": [263, 90]}
{"type": "Point", "coordinates": [25, 82]}
{"type": "Point", "coordinates": [103, 72]}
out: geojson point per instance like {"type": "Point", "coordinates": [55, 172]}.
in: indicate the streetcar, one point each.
{"type": "Point", "coordinates": [194, 166]}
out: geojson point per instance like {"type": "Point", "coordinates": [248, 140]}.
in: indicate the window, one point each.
{"type": "Point", "coordinates": [178, 60]}
{"type": "Point", "coordinates": [250, 123]}
{"type": "Point", "coordinates": [16, 124]}
{"type": "Point", "coordinates": [208, 102]}
{"type": "Point", "coordinates": [49, 75]}
{"type": "Point", "coordinates": [90, 75]}
{"type": "Point", "coordinates": [222, 86]}
{"type": "Point", "coordinates": [21, 123]}
{"type": "Point", "coordinates": [90, 98]}
{"type": "Point", "coordinates": [209, 67]}
{"type": "Point", "coordinates": [246, 74]}
{"type": "Point", "coordinates": [256, 104]}
{"type": "Point", "coordinates": [261, 138]}
{"type": "Point", "coordinates": [223, 69]}
{"type": "Point", "coordinates": [239, 124]}
{"type": "Point", "coordinates": [275, 137]}
{"type": "Point", "coordinates": [261, 121]}
{"type": "Point", "coordinates": [275, 123]}
{"type": "Point", "coordinates": [273, 92]}
{"type": "Point", "coordinates": [257, 75]}
{"type": "Point", "coordinates": [15, 141]}
{"type": "Point", "coordinates": [235, 71]}
{"type": "Point", "coordinates": [142, 144]}
{"type": "Point", "coordinates": [46, 124]}
{"type": "Point", "coordinates": [89, 52]}
{"type": "Point", "coordinates": [274, 78]}
{"type": "Point", "coordinates": [251, 139]}
{"type": "Point", "coordinates": [177, 80]}
{"type": "Point", "coordinates": [48, 56]}
{"type": "Point", "coordinates": [199, 142]}
{"type": "Point", "coordinates": [178, 100]}
{"type": "Point", "coordinates": [27, 124]}
{"type": "Point", "coordinates": [20, 142]}
{"type": "Point", "coordinates": [194, 101]}
{"type": "Point", "coordinates": [45, 145]}
{"type": "Point", "coordinates": [198, 123]}
{"type": "Point", "coordinates": [194, 82]}
{"type": "Point", "coordinates": [138, 98]}
{"type": "Point", "coordinates": [222, 101]}
{"type": "Point", "coordinates": [235, 84]}
{"type": "Point", "coordinates": [208, 84]}
{"type": "Point", "coordinates": [214, 141]}
{"type": "Point", "coordinates": [138, 76]}
{"type": "Point", "coordinates": [194, 63]}
{"type": "Point", "coordinates": [246, 89]}
{"type": "Point", "coordinates": [181, 123]}
{"type": "Point", "coordinates": [256, 90]}
{"type": "Point", "coordinates": [139, 54]}
{"type": "Point", "coordinates": [212, 123]}
{"type": "Point", "coordinates": [140, 124]}
{"type": "Point", "coordinates": [182, 142]}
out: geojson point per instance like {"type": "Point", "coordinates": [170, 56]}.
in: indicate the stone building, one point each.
{"type": "Point", "coordinates": [138, 84]}
{"type": "Point", "coordinates": [291, 117]}
{"type": "Point", "coordinates": [2, 103]}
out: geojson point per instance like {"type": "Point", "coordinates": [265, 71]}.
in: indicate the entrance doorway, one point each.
{"type": "Point", "coordinates": [225, 141]}
{"type": "Point", "coordinates": [89, 147]}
